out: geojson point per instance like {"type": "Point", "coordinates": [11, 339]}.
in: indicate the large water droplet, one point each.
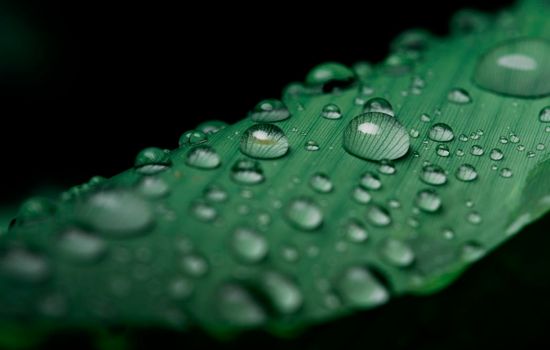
{"type": "Point", "coordinates": [331, 111]}
{"type": "Point", "coordinates": [466, 173]}
{"type": "Point", "coordinates": [544, 115]}
{"type": "Point", "coordinates": [360, 288]}
{"type": "Point", "coordinates": [282, 292]}
{"type": "Point", "coordinates": [433, 175]}
{"type": "Point", "coordinates": [117, 212]}
{"type": "Point", "coordinates": [428, 200]}
{"type": "Point", "coordinates": [269, 111]}
{"type": "Point", "coordinates": [378, 104]}
{"type": "Point", "coordinates": [331, 76]}
{"type": "Point", "coordinates": [441, 132]}
{"type": "Point", "coordinates": [249, 246]}
{"type": "Point", "coordinates": [247, 172]}
{"type": "Point", "coordinates": [192, 137]}
{"type": "Point", "coordinates": [320, 182]}
{"type": "Point", "coordinates": [239, 307]}
{"type": "Point", "coordinates": [459, 96]}
{"type": "Point", "coordinates": [397, 252]}
{"type": "Point", "coordinates": [22, 265]}
{"type": "Point", "coordinates": [304, 214]}
{"type": "Point", "coordinates": [376, 136]}
{"type": "Point", "coordinates": [519, 67]}
{"type": "Point", "coordinates": [264, 141]}
{"type": "Point", "coordinates": [81, 246]}
{"type": "Point", "coordinates": [378, 215]}
{"type": "Point", "coordinates": [152, 160]}
{"type": "Point", "coordinates": [203, 157]}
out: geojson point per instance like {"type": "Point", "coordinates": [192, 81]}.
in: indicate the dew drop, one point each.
{"type": "Point", "coordinates": [360, 288]}
{"type": "Point", "coordinates": [153, 187]}
{"type": "Point", "coordinates": [211, 126]}
{"type": "Point", "coordinates": [311, 146]}
{"type": "Point", "coordinates": [264, 141]}
{"type": "Point", "coordinates": [238, 307]}
{"type": "Point", "coordinates": [321, 183]}
{"type": "Point", "coordinates": [79, 245]}
{"type": "Point", "coordinates": [152, 160]}
{"type": "Point", "coordinates": [472, 251]}
{"type": "Point", "coordinates": [194, 265]}
{"type": "Point", "coordinates": [376, 136]}
{"type": "Point", "coordinates": [192, 137]}
{"type": "Point", "coordinates": [331, 76]}
{"type": "Point", "coordinates": [518, 67]}
{"type": "Point", "coordinates": [204, 211]}
{"type": "Point", "coordinates": [474, 217]}
{"type": "Point", "coordinates": [35, 210]}
{"type": "Point", "coordinates": [425, 118]}
{"type": "Point", "coordinates": [496, 154]}
{"type": "Point", "coordinates": [466, 173]}
{"type": "Point", "coordinates": [283, 292]}
{"type": "Point", "coordinates": [203, 157]}
{"type": "Point", "coordinates": [269, 111]}
{"type": "Point", "coordinates": [22, 265]}
{"type": "Point", "coordinates": [355, 231]}
{"type": "Point", "coordinates": [370, 181]}
{"type": "Point", "coordinates": [441, 132]}
{"type": "Point", "coordinates": [215, 194]}
{"type": "Point", "coordinates": [397, 252]}
{"type": "Point", "coordinates": [506, 172]}
{"type": "Point", "coordinates": [386, 167]}
{"type": "Point", "coordinates": [331, 111]}
{"type": "Point", "coordinates": [378, 215]}
{"type": "Point", "coordinates": [433, 175]}
{"type": "Point", "coordinates": [442, 150]}
{"type": "Point", "coordinates": [380, 105]}
{"type": "Point", "coordinates": [247, 172]}
{"type": "Point", "coordinates": [361, 195]}
{"type": "Point", "coordinates": [428, 200]}
{"type": "Point", "coordinates": [477, 150]}
{"type": "Point", "coordinates": [304, 214]}
{"type": "Point", "coordinates": [544, 115]}
{"type": "Point", "coordinates": [249, 246]}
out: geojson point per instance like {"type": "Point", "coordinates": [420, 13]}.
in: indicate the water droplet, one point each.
{"type": "Point", "coordinates": [463, 138]}
{"type": "Point", "coordinates": [376, 136]}
{"type": "Point", "coordinates": [361, 195]}
{"type": "Point", "coordinates": [469, 21]}
{"type": "Point", "coordinates": [181, 288]}
{"type": "Point", "coordinates": [477, 150]}
{"type": "Point", "coordinates": [23, 265]}
{"type": "Point", "coordinates": [35, 210]}
{"type": "Point", "coordinates": [518, 67]}
{"type": "Point", "coordinates": [238, 306]}
{"type": "Point", "coordinates": [433, 175]}
{"type": "Point", "coordinates": [192, 137]}
{"type": "Point", "coordinates": [370, 181]}
{"type": "Point", "coordinates": [211, 126]}
{"type": "Point", "coordinates": [441, 132]}
{"type": "Point", "coordinates": [203, 211]}
{"type": "Point", "coordinates": [459, 96]}
{"type": "Point", "coordinates": [304, 214]}
{"type": "Point", "coordinates": [249, 246]}
{"type": "Point", "coordinates": [414, 133]}
{"type": "Point", "coordinates": [331, 76]}
{"type": "Point", "coordinates": [247, 172]}
{"type": "Point", "coordinates": [362, 69]}
{"type": "Point", "coordinates": [544, 115]}
{"type": "Point", "coordinates": [386, 167]}
{"type": "Point", "coordinates": [320, 182]}
{"type": "Point", "coordinates": [540, 147]}
{"type": "Point", "coordinates": [474, 217]}
{"type": "Point", "coordinates": [360, 288]}
{"type": "Point", "coordinates": [530, 154]}
{"type": "Point", "coordinates": [443, 150]}
{"type": "Point", "coordinates": [448, 233]}
{"type": "Point", "coordinates": [152, 160]}
{"type": "Point", "coordinates": [380, 105]}
{"type": "Point", "coordinates": [269, 111]}
{"type": "Point", "coordinates": [397, 252]}
{"type": "Point", "coordinates": [282, 292]}
{"type": "Point", "coordinates": [194, 265]}
{"type": "Point", "coordinates": [425, 118]}
{"type": "Point", "coordinates": [506, 172]}
{"type": "Point", "coordinates": [216, 194]}
{"type": "Point", "coordinates": [472, 251]}
{"type": "Point", "coordinates": [331, 111]}
{"type": "Point", "coordinates": [153, 187]}
{"type": "Point", "coordinates": [466, 173]}
{"type": "Point", "coordinates": [496, 154]}
{"type": "Point", "coordinates": [81, 246]}
{"type": "Point", "coordinates": [117, 212]}
{"type": "Point", "coordinates": [355, 231]}
{"type": "Point", "coordinates": [311, 146]}
{"type": "Point", "coordinates": [203, 157]}
{"type": "Point", "coordinates": [411, 40]}
{"type": "Point", "coordinates": [378, 215]}
{"type": "Point", "coordinates": [264, 141]}
{"type": "Point", "coordinates": [428, 200]}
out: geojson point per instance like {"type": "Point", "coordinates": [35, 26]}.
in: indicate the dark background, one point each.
{"type": "Point", "coordinates": [85, 85]}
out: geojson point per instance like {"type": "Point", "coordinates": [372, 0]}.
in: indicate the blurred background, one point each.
{"type": "Point", "coordinates": [85, 85]}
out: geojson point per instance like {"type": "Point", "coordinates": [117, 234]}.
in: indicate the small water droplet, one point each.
{"type": "Point", "coordinates": [443, 150]}
{"type": "Point", "coordinates": [361, 195]}
{"type": "Point", "coordinates": [249, 246]}
{"type": "Point", "coordinates": [238, 306]}
{"type": "Point", "coordinates": [153, 187]}
{"type": "Point", "coordinates": [247, 172]}
{"type": "Point", "coordinates": [544, 115]}
{"type": "Point", "coordinates": [331, 76]}
{"type": "Point", "coordinates": [471, 251]}
{"type": "Point", "coordinates": [370, 181]}
{"type": "Point", "coordinates": [376, 136]}
{"type": "Point", "coordinates": [463, 138]}
{"type": "Point", "coordinates": [192, 137]}
{"type": "Point", "coordinates": [378, 215]}
{"type": "Point", "coordinates": [204, 211]}
{"type": "Point", "coordinates": [215, 194]}
{"type": "Point", "coordinates": [283, 292]}
{"type": "Point", "coordinates": [428, 200]}
{"type": "Point", "coordinates": [386, 167]}
{"type": "Point", "coordinates": [311, 146]}
{"type": "Point", "coordinates": [264, 141]}
{"type": "Point", "coordinates": [477, 150]}
{"type": "Point", "coordinates": [441, 132]}
{"type": "Point", "coordinates": [459, 96]}
{"type": "Point", "coordinates": [496, 154]}
{"type": "Point", "coordinates": [433, 175]}
{"type": "Point", "coordinates": [378, 104]}
{"type": "Point", "coordinates": [466, 173]}
{"type": "Point", "coordinates": [269, 111]}
{"type": "Point", "coordinates": [520, 148]}
{"type": "Point", "coordinates": [211, 126]}
{"type": "Point", "coordinates": [331, 111]}
{"type": "Point", "coordinates": [194, 265]}
{"type": "Point", "coordinates": [474, 217]}
{"type": "Point", "coordinates": [304, 214]}
{"type": "Point", "coordinates": [414, 133]}
{"type": "Point", "coordinates": [514, 138]}
{"type": "Point", "coordinates": [203, 157]}
{"type": "Point", "coordinates": [355, 231]}
{"type": "Point", "coordinates": [530, 154]}
{"type": "Point", "coordinates": [506, 172]}
{"type": "Point", "coordinates": [397, 252]}
{"type": "Point", "coordinates": [152, 160]}
{"type": "Point", "coordinates": [360, 288]}
{"type": "Point", "coordinates": [180, 288]}
{"type": "Point", "coordinates": [425, 118]}
{"type": "Point", "coordinates": [35, 209]}
{"type": "Point", "coordinates": [518, 67]}
{"type": "Point", "coordinates": [79, 245]}
{"type": "Point", "coordinates": [540, 147]}
{"type": "Point", "coordinates": [320, 182]}
{"type": "Point", "coordinates": [448, 233]}
{"type": "Point", "coordinates": [23, 265]}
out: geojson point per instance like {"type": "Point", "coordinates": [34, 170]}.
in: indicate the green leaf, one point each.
{"type": "Point", "coordinates": [384, 180]}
